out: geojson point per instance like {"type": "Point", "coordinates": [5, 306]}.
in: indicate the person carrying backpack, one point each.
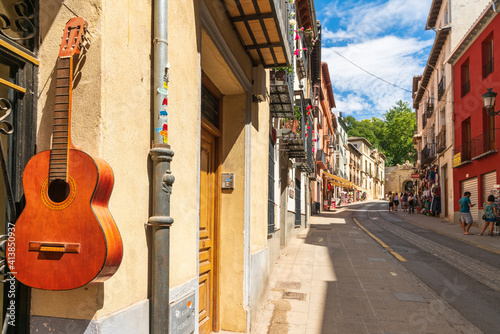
{"type": "Point", "coordinates": [490, 215]}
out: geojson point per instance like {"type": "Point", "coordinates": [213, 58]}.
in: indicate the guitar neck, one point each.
{"type": "Point", "coordinates": [61, 133]}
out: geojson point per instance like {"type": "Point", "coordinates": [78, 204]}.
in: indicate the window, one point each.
{"type": "Point", "coordinates": [18, 71]}
{"type": "Point", "coordinates": [487, 55]}
{"type": "Point", "coordinates": [489, 133]}
{"type": "Point", "coordinates": [466, 140]}
{"type": "Point", "coordinates": [464, 77]}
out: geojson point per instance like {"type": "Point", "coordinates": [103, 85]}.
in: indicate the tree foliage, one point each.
{"type": "Point", "coordinates": [393, 134]}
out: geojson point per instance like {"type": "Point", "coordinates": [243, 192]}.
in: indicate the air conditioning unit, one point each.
{"type": "Point", "coordinates": [259, 89]}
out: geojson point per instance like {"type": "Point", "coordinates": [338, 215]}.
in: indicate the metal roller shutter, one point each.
{"type": "Point", "coordinates": [471, 186]}
{"type": "Point", "coordinates": [489, 180]}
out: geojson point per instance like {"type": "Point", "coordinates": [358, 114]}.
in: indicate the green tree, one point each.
{"type": "Point", "coordinates": [397, 138]}
{"type": "Point", "coordinates": [372, 130]}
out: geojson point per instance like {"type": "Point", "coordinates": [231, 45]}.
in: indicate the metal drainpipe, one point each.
{"type": "Point", "coordinates": [161, 154]}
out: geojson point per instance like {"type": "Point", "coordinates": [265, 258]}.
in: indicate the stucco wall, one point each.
{"type": "Point", "coordinates": [184, 137]}
{"type": "Point", "coordinates": [259, 178]}
{"type": "Point", "coordinates": [110, 105]}
{"type": "Point", "coordinates": [232, 239]}
{"type": "Point", "coordinates": [463, 14]}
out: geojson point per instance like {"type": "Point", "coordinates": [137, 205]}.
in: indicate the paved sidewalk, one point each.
{"type": "Point", "coordinates": [334, 278]}
{"type": "Point", "coordinates": [442, 226]}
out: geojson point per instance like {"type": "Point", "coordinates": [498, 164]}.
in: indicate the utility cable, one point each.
{"type": "Point", "coordinates": [382, 79]}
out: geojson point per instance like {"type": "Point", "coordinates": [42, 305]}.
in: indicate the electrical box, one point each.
{"type": "Point", "coordinates": [259, 88]}
{"type": "Point", "coordinates": [227, 180]}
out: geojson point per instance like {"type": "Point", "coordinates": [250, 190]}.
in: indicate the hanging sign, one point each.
{"type": "Point", "coordinates": [457, 159]}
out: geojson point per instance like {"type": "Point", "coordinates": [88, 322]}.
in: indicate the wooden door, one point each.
{"type": "Point", "coordinates": [208, 217]}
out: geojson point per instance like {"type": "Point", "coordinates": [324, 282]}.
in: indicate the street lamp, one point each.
{"type": "Point", "coordinates": [489, 102]}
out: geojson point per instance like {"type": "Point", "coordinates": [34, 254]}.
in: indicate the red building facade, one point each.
{"type": "Point", "coordinates": [477, 135]}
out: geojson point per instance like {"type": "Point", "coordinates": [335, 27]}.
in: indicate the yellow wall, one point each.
{"type": "Point", "coordinates": [111, 120]}
{"type": "Point", "coordinates": [184, 132]}
{"type": "Point", "coordinates": [110, 106]}
{"type": "Point", "coordinates": [233, 315]}
{"type": "Point", "coordinates": [259, 178]}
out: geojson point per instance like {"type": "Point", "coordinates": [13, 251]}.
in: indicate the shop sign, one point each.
{"type": "Point", "coordinates": [457, 159]}
{"type": "Point", "coordinates": [415, 176]}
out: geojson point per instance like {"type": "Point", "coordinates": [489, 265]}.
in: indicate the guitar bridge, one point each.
{"type": "Point", "coordinates": [54, 247]}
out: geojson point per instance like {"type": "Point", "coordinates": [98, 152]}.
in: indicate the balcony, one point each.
{"type": "Point", "coordinates": [428, 153]}
{"type": "Point", "coordinates": [463, 152]}
{"type": "Point", "coordinates": [483, 144]}
{"type": "Point", "coordinates": [321, 159]}
{"type": "Point", "coordinates": [281, 88]}
{"type": "Point", "coordinates": [441, 88]}
{"type": "Point", "coordinates": [429, 109]}
{"type": "Point", "coordinates": [295, 143]}
{"type": "Point", "coordinates": [441, 141]}
{"type": "Point", "coordinates": [264, 30]}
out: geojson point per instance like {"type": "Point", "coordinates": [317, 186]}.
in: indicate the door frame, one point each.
{"type": "Point", "coordinates": [214, 131]}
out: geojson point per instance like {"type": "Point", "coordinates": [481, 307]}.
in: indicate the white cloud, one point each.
{"type": "Point", "coordinates": [383, 37]}
{"type": "Point", "coordinates": [361, 19]}
{"type": "Point", "coordinates": [391, 58]}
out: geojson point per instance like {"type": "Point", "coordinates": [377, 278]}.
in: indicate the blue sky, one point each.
{"type": "Point", "coordinates": [384, 37]}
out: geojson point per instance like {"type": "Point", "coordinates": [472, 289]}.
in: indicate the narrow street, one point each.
{"type": "Point", "coordinates": [361, 269]}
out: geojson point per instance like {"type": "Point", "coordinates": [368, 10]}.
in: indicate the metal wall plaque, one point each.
{"type": "Point", "coordinates": [182, 319]}
{"type": "Point", "coordinates": [227, 180]}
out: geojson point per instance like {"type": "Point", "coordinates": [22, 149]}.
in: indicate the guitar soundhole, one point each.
{"type": "Point", "coordinates": [58, 191]}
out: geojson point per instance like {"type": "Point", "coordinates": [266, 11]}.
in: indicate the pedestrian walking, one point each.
{"type": "Point", "coordinates": [404, 198]}
{"type": "Point", "coordinates": [411, 204]}
{"type": "Point", "coordinates": [396, 202]}
{"type": "Point", "coordinates": [465, 215]}
{"type": "Point", "coordinates": [391, 201]}
{"type": "Point", "coordinates": [490, 214]}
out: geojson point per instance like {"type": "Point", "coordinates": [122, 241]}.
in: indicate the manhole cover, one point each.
{"type": "Point", "coordinates": [288, 285]}
{"type": "Point", "coordinates": [293, 295]}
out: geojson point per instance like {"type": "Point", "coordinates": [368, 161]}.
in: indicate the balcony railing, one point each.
{"type": "Point", "coordinates": [465, 152]}
{"type": "Point", "coordinates": [441, 88]}
{"type": "Point", "coordinates": [280, 104]}
{"type": "Point", "coordinates": [483, 144]}
{"type": "Point", "coordinates": [488, 68]}
{"type": "Point", "coordinates": [441, 141]}
{"type": "Point", "coordinates": [321, 159]}
{"type": "Point", "coordinates": [428, 153]}
{"type": "Point", "coordinates": [429, 109]}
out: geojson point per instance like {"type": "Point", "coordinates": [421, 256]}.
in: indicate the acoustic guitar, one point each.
{"type": "Point", "coordinates": [65, 237]}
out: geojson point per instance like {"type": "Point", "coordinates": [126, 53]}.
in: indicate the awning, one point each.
{"type": "Point", "coordinates": [341, 182]}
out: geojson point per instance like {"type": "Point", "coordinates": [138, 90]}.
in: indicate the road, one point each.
{"type": "Point", "coordinates": [464, 274]}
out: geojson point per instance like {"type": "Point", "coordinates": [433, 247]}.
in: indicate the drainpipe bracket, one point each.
{"type": "Point", "coordinates": [160, 221]}
{"type": "Point", "coordinates": [161, 154]}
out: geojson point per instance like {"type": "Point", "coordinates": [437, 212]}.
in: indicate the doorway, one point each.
{"type": "Point", "coordinates": [209, 207]}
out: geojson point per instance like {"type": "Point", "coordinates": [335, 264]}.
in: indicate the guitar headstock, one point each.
{"type": "Point", "coordinates": [72, 37]}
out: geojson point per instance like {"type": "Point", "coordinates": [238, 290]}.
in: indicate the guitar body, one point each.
{"type": "Point", "coordinates": [66, 237]}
